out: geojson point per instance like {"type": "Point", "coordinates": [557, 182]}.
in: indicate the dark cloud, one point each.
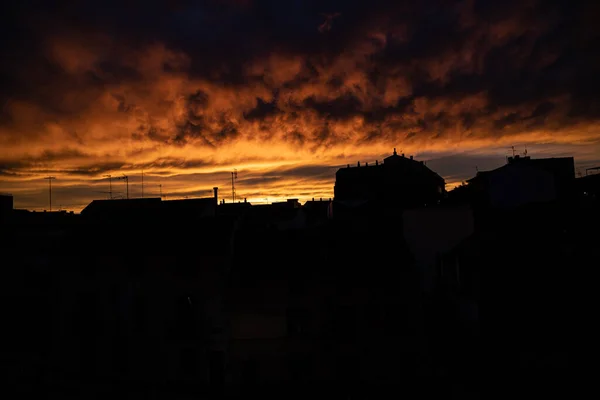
{"type": "Point", "coordinates": [312, 171]}
{"type": "Point", "coordinates": [519, 53]}
{"type": "Point", "coordinates": [458, 168]}
{"type": "Point", "coordinates": [339, 108]}
{"type": "Point", "coordinates": [186, 79]}
{"type": "Point", "coordinates": [262, 110]}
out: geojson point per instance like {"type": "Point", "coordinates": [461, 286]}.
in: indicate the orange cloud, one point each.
{"type": "Point", "coordinates": [462, 84]}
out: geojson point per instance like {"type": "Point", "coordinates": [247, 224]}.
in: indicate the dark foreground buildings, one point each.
{"type": "Point", "coordinates": [196, 299]}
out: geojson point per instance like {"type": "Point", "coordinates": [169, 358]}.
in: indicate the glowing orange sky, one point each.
{"type": "Point", "coordinates": [285, 126]}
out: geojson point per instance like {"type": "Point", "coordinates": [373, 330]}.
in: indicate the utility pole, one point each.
{"type": "Point", "coordinates": [50, 178]}
{"type": "Point", "coordinates": [109, 186]}
{"type": "Point", "coordinates": [233, 178]}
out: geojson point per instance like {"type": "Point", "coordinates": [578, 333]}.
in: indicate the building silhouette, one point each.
{"type": "Point", "coordinates": [192, 298]}
{"type": "Point", "coordinates": [399, 181]}
{"type": "Point", "coordinates": [6, 206]}
{"type": "Point", "coordinates": [523, 180]}
{"type": "Point", "coordinates": [589, 186]}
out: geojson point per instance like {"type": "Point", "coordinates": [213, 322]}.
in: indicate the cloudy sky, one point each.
{"type": "Point", "coordinates": [285, 92]}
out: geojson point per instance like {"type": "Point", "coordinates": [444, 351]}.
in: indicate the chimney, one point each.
{"type": "Point", "coordinates": [395, 152]}
{"type": "Point", "coordinates": [402, 155]}
{"type": "Point", "coordinates": [321, 199]}
{"type": "Point", "coordinates": [411, 157]}
{"type": "Point", "coordinates": [216, 194]}
{"type": "Point", "coordinates": [348, 165]}
{"type": "Point", "coordinates": [358, 164]}
{"type": "Point", "coordinates": [244, 200]}
{"type": "Point", "coordinates": [366, 164]}
{"type": "Point", "coordinates": [376, 162]}
{"type": "Point", "coordinates": [313, 199]}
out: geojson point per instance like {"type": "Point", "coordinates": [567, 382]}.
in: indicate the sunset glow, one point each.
{"type": "Point", "coordinates": [284, 103]}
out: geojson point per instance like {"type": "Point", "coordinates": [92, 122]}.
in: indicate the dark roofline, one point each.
{"type": "Point", "coordinates": [97, 202]}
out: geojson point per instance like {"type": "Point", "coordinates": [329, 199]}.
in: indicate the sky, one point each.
{"type": "Point", "coordinates": [285, 92]}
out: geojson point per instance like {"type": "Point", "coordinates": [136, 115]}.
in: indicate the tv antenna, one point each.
{"type": "Point", "coordinates": [126, 179]}
{"type": "Point", "coordinates": [109, 186]}
{"type": "Point", "coordinates": [233, 179]}
{"type": "Point", "coordinates": [50, 179]}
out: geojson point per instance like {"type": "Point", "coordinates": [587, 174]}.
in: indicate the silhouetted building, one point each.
{"type": "Point", "coordinates": [234, 209]}
{"type": "Point", "coordinates": [589, 186]}
{"type": "Point", "coordinates": [284, 215]}
{"type": "Point", "coordinates": [6, 206]}
{"type": "Point", "coordinates": [432, 231]}
{"type": "Point", "coordinates": [318, 212]}
{"type": "Point", "coordinates": [122, 210]}
{"type": "Point", "coordinates": [189, 208]}
{"type": "Point", "coordinates": [398, 182]}
{"type": "Point", "coordinates": [523, 181]}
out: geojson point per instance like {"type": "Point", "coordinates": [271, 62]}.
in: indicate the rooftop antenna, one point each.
{"type": "Point", "coordinates": [513, 150]}
{"type": "Point", "coordinates": [50, 179]}
{"type": "Point", "coordinates": [126, 179]}
{"type": "Point", "coordinates": [109, 186]}
{"type": "Point", "coordinates": [525, 152]}
{"type": "Point", "coordinates": [233, 179]}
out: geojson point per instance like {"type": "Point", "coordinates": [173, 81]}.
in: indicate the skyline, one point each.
{"type": "Point", "coordinates": [284, 94]}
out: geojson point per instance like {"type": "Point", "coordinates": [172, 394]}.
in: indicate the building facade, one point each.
{"type": "Point", "coordinates": [398, 182]}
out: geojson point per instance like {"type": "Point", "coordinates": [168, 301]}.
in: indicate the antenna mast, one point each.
{"type": "Point", "coordinates": [126, 179]}
{"type": "Point", "coordinates": [233, 178]}
{"type": "Point", "coordinates": [109, 186]}
{"type": "Point", "coordinates": [50, 178]}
